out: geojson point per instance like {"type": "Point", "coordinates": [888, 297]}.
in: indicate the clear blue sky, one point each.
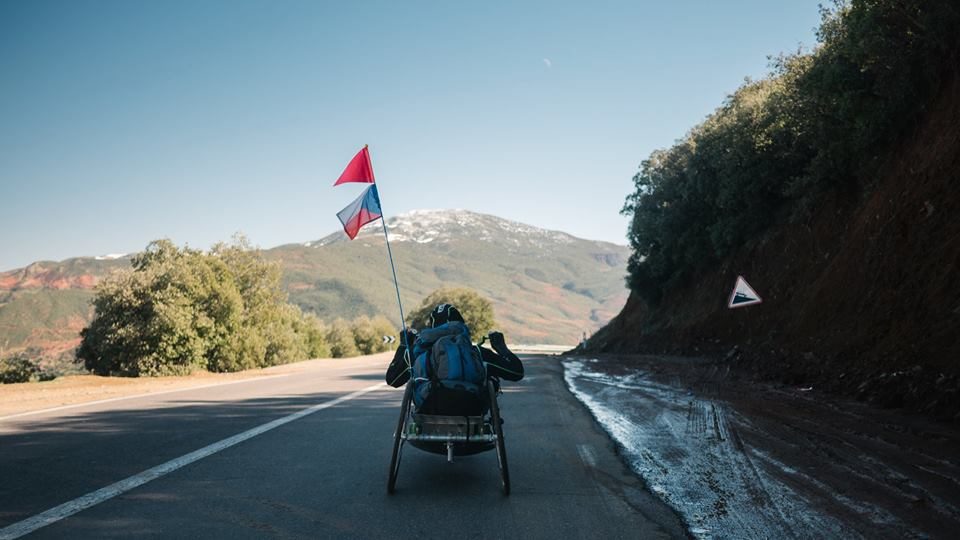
{"type": "Point", "coordinates": [126, 121]}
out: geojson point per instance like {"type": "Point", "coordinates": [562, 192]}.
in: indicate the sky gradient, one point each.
{"type": "Point", "coordinates": [125, 122]}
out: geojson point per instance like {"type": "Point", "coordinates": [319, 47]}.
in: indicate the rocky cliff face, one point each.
{"type": "Point", "coordinates": [36, 276]}
{"type": "Point", "coordinates": [76, 273]}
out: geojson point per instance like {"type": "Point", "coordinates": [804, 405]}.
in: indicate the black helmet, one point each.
{"type": "Point", "coordinates": [444, 313]}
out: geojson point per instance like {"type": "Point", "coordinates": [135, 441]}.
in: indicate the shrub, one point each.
{"type": "Point", "coordinates": [17, 369]}
{"type": "Point", "coordinates": [314, 334]}
{"type": "Point", "coordinates": [368, 334]}
{"type": "Point", "coordinates": [341, 340]}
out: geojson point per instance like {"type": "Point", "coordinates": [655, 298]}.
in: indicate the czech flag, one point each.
{"type": "Point", "coordinates": [361, 211]}
{"type": "Point", "coordinates": [360, 169]}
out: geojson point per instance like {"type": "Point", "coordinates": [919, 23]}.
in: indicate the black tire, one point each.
{"type": "Point", "coordinates": [498, 431]}
{"type": "Point", "coordinates": [398, 440]}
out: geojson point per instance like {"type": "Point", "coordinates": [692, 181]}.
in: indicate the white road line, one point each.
{"type": "Point", "coordinates": [586, 455]}
{"type": "Point", "coordinates": [68, 509]}
{"type": "Point", "coordinates": [121, 398]}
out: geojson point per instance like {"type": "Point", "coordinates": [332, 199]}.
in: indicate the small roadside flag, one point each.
{"type": "Point", "coordinates": [361, 211]}
{"type": "Point", "coordinates": [360, 169]}
{"type": "Point", "coordinates": [743, 295]}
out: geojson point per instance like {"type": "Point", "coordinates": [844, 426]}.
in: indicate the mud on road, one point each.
{"type": "Point", "coordinates": [740, 459]}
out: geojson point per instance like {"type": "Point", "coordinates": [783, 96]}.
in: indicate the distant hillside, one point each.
{"type": "Point", "coordinates": [546, 286]}
{"type": "Point", "coordinates": [45, 305]}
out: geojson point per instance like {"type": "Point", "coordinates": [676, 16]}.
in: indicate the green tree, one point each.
{"type": "Point", "coordinates": [341, 340]}
{"type": "Point", "coordinates": [477, 311]}
{"type": "Point", "coordinates": [146, 320]}
{"type": "Point", "coordinates": [368, 333]}
{"type": "Point", "coordinates": [268, 324]}
{"type": "Point", "coordinates": [364, 335]}
{"type": "Point", "coordinates": [177, 310]}
{"type": "Point", "coordinates": [383, 327]}
{"type": "Point", "coordinates": [314, 334]}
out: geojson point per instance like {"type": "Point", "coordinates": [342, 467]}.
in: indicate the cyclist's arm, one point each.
{"type": "Point", "coordinates": [397, 372]}
{"type": "Point", "coordinates": [503, 364]}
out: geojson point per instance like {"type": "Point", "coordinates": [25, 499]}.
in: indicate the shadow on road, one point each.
{"type": "Point", "coordinates": [367, 377]}
{"type": "Point", "coordinates": [47, 462]}
{"type": "Point", "coordinates": [325, 474]}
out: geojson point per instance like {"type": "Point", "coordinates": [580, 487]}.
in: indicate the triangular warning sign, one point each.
{"type": "Point", "coordinates": [743, 294]}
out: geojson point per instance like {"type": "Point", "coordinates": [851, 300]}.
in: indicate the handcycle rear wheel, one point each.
{"type": "Point", "coordinates": [498, 431]}
{"type": "Point", "coordinates": [398, 439]}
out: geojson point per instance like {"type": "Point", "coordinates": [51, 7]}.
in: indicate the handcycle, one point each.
{"type": "Point", "coordinates": [451, 435]}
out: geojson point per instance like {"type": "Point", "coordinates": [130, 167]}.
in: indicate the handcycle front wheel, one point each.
{"type": "Point", "coordinates": [498, 431]}
{"type": "Point", "coordinates": [398, 439]}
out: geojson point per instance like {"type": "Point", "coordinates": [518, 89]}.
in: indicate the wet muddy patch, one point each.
{"type": "Point", "coordinates": [767, 463]}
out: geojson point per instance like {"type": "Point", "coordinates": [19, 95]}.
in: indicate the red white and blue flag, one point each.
{"type": "Point", "coordinates": [361, 211]}
{"type": "Point", "coordinates": [366, 209]}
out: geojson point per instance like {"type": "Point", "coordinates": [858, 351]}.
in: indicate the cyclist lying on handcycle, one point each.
{"type": "Point", "coordinates": [449, 372]}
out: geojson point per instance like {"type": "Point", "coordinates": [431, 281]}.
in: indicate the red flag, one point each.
{"type": "Point", "coordinates": [360, 169]}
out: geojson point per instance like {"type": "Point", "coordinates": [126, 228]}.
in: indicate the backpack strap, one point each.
{"type": "Point", "coordinates": [484, 364]}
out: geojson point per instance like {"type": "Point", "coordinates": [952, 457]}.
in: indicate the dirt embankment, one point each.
{"type": "Point", "coordinates": [863, 298]}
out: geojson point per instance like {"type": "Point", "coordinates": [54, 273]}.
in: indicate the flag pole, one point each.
{"type": "Point", "coordinates": [396, 284]}
{"type": "Point", "coordinates": [354, 173]}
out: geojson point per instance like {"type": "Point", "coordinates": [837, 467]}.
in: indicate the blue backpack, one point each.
{"type": "Point", "coordinates": [444, 358]}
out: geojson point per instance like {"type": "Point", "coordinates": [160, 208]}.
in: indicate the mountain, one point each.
{"type": "Point", "coordinates": [546, 286]}
{"type": "Point", "coordinates": [45, 305]}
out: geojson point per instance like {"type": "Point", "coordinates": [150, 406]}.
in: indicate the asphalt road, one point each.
{"type": "Point", "coordinates": [281, 458]}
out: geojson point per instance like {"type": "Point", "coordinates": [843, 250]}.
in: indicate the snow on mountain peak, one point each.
{"type": "Point", "coordinates": [433, 225]}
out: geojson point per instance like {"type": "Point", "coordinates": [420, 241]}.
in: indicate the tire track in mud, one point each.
{"type": "Point", "coordinates": [740, 459]}
{"type": "Point", "coordinates": [740, 489]}
{"type": "Point", "coordinates": [877, 475]}
{"type": "Point", "coordinates": [692, 456]}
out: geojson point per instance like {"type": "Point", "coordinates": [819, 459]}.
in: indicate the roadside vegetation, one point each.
{"type": "Point", "coordinates": [818, 123]}
{"type": "Point", "coordinates": [17, 368]}
{"type": "Point", "coordinates": [179, 310]}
